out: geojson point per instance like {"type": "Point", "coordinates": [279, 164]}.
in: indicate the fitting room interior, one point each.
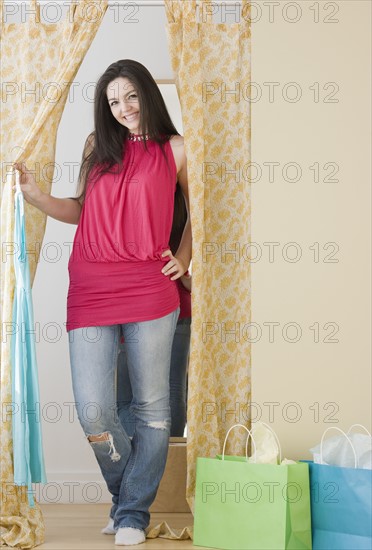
{"type": "Point", "coordinates": [321, 295]}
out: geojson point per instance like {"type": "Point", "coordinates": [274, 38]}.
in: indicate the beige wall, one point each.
{"type": "Point", "coordinates": [329, 382]}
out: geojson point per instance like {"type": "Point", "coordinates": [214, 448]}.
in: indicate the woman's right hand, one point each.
{"type": "Point", "coordinates": [31, 192]}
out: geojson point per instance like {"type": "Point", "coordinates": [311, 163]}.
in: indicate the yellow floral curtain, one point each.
{"type": "Point", "coordinates": [39, 61]}
{"type": "Point", "coordinates": [212, 69]}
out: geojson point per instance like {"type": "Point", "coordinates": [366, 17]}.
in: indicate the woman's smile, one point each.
{"type": "Point", "coordinates": [131, 117]}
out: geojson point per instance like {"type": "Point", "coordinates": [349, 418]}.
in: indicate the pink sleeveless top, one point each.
{"type": "Point", "coordinates": [125, 223]}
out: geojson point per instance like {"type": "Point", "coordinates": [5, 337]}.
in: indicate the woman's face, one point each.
{"type": "Point", "coordinates": [123, 101]}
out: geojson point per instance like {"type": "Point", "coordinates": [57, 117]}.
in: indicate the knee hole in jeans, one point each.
{"type": "Point", "coordinates": [158, 424]}
{"type": "Point", "coordinates": [103, 437]}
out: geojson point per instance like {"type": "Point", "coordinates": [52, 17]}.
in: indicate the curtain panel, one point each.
{"type": "Point", "coordinates": [212, 69]}
{"type": "Point", "coordinates": [39, 62]}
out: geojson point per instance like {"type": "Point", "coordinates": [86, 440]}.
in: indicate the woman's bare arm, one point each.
{"type": "Point", "coordinates": [63, 210]}
{"type": "Point", "coordinates": [180, 261]}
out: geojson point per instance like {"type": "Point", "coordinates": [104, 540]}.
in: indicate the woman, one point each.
{"type": "Point", "coordinates": [122, 277]}
{"type": "Point", "coordinates": [180, 346]}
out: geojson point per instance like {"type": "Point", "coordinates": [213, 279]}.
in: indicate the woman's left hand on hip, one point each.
{"type": "Point", "coordinates": [174, 267]}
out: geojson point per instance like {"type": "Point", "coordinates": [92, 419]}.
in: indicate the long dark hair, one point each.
{"type": "Point", "coordinates": [106, 145]}
{"type": "Point", "coordinates": [179, 219]}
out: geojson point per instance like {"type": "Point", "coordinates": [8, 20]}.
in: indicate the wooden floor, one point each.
{"type": "Point", "coordinates": [77, 527]}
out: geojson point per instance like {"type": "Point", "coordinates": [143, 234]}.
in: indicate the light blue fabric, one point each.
{"type": "Point", "coordinates": [28, 459]}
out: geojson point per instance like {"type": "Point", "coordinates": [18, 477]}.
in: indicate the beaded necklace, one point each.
{"type": "Point", "coordinates": [138, 137]}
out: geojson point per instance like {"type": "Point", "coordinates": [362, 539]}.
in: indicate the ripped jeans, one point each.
{"type": "Point", "coordinates": [132, 468]}
{"type": "Point", "coordinates": [177, 382]}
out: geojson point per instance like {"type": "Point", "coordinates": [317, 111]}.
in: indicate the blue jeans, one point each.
{"type": "Point", "coordinates": [177, 382]}
{"type": "Point", "coordinates": [132, 468]}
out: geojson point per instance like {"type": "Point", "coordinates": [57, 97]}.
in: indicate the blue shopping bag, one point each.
{"type": "Point", "coordinates": [341, 507]}
{"type": "Point", "coordinates": [28, 458]}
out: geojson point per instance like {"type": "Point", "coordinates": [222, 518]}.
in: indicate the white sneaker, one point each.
{"type": "Point", "coordinates": [127, 536]}
{"type": "Point", "coordinates": [109, 529]}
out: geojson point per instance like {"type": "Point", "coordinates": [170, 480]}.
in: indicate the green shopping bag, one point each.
{"type": "Point", "coordinates": [247, 506]}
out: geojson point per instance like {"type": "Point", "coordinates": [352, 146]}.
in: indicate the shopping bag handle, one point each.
{"type": "Point", "coordinates": [246, 443]}
{"type": "Point", "coordinates": [343, 433]}
{"type": "Point", "coordinates": [359, 426]}
{"type": "Point", "coordinates": [276, 438]}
